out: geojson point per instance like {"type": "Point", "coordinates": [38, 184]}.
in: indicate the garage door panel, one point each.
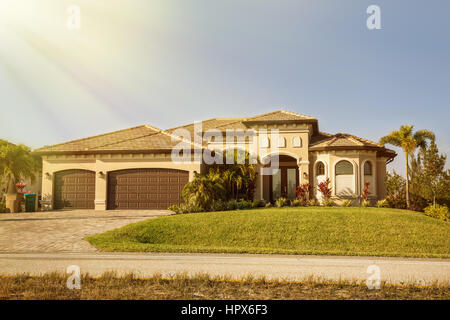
{"type": "Point", "coordinates": [145, 188]}
{"type": "Point", "coordinates": [74, 189]}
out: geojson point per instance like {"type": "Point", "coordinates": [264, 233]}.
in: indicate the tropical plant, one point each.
{"type": "Point", "coordinates": [382, 203]}
{"type": "Point", "coordinates": [365, 203]}
{"type": "Point", "coordinates": [281, 202]}
{"type": "Point", "coordinates": [313, 203]}
{"type": "Point", "coordinates": [17, 162]}
{"type": "Point", "coordinates": [325, 189]}
{"type": "Point", "coordinates": [238, 178]}
{"type": "Point", "coordinates": [327, 202]}
{"type": "Point", "coordinates": [409, 141]}
{"type": "Point", "coordinates": [204, 190]}
{"type": "Point", "coordinates": [395, 189]}
{"type": "Point", "coordinates": [346, 203]}
{"type": "Point", "coordinates": [303, 191]}
{"type": "Point", "coordinates": [366, 192]}
{"type": "Point", "coordinates": [438, 211]}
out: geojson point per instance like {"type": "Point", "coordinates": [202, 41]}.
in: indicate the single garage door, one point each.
{"type": "Point", "coordinates": [145, 188]}
{"type": "Point", "coordinates": [74, 189]}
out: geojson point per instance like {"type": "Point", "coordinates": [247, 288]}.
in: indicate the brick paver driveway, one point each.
{"type": "Point", "coordinates": [63, 231]}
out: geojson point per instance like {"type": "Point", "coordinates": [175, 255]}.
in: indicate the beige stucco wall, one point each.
{"type": "Point", "coordinates": [106, 163]}
{"type": "Point", "coordinates": [357, 158]}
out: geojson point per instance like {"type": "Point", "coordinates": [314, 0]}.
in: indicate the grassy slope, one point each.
{"type": "Point", "coordinates": [310, 230]}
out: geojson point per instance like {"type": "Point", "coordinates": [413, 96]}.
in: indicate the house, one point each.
{"type": "Point", "coordinates": [135, 168]}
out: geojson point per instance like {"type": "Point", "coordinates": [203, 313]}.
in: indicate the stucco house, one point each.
{"type": "Point", "coordinates": [134, 168]}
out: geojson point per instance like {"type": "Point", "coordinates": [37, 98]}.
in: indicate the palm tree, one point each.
{"type": "Point", "coordinates": [17, 162]}
{"type": "Point", "coordinates": [408, 141]}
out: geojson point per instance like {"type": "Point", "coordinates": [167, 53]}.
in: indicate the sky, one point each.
{"type": "Point", "coordinates": [168, 63]}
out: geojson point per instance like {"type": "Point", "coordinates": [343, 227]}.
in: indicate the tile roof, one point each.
{"type": "Point", "coordinates": [326, 141]}
{"type": "Point", "coordinates": [139, 138]}
{"type": "Point", "coordinates": [146, 138]}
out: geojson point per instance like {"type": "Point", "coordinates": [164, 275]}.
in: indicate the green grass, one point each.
{"type": "Point", "coordinates": [300, 230]}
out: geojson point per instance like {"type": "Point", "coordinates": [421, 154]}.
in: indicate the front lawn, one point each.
{"type": "Point", "coordinates": [299, 230]}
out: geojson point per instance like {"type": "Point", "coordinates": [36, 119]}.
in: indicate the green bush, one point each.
{"type": "Point", "coordinates": [219, 205]}
{"type": "Point", "coordinates": [328, 202]}
{"type": "Point", "coordinates": [185, 208]}
{"type": "Point", "coordinates": [313, 203]}
{"type": "Point", "coordinates": [231, 205]}
{"type": "Point", "coordinates": [281, 202]}
{"type": "Point", "coordinates": [258, 204]}
{"type": "Point", "coordinates": [440, 212]}
{"type": "Point", "coordinates": [268, 205]}
{"type": "Point", "coordinates": [297, 203]}
{"type": "Point", "coordinates": [3, 208]}
{"type": "Point", "coordinates": [365, 203]}
{"type": "Point", "coordinates": [382, 203]}
{"type": "Point", "coordinates": [346, 203]}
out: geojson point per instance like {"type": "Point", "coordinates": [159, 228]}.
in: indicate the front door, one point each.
{"type": "Point", "coordinates": [284, 182]}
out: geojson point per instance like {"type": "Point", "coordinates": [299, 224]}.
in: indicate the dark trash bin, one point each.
{"type": "Point", "coordinates": [30, 202]}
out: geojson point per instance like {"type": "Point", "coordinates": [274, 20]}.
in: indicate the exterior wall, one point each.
{"type": "Point", "coordinates": [357, 159]}
{"type": "Point", "coordinates": [105, 163]}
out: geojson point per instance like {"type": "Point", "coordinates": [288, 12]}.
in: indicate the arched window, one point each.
{"type": "Point", "coordinates": [345, 179]}
{"type": "Point", "coordinates": [296, 142]}
{"type": "Point", "coordinates": [344, 168]}
{"type": "Point", "coordinates": [281, 142]}
{"type": "Point", "coordinates": [368, 168]}
{"type": "Point", "coordinates": [320, 169]}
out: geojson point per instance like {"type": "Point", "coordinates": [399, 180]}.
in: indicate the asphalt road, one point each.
{"type": "Point", "coordinates": [392, 270]}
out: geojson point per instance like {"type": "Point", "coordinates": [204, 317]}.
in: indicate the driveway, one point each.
{"type": "Point", "coordinates": [63, 231]}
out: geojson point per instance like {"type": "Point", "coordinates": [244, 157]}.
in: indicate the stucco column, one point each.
{"type": "Point", "coordinates": [259, 184]}
{"type": "Point", "coordinates": [101, 179]}
{"type": "Point", "coordinates": [47, 188]}
{"type": "Point", "coordinates": [303, 167]}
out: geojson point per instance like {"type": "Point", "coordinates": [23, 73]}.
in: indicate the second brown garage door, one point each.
{"type": "Point", "coordinates": [145, 188]}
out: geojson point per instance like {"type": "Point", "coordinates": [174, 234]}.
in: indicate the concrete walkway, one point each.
{"type": "Point", "coordinates": [63, 231]}
{"type": "Point", "coordinates": [392, 270]}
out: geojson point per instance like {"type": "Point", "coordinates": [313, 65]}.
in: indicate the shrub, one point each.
{"type": "Point", "coordinates": [243, 204]}
{"type": "Point", "coordinates": [303, 191]}
{"type": "Point", "coordinates": [268, 205]}
{"type": "Point", "coordinates": [231, 205]}
{"type": "Point", "coordinates": [257, 204]}
{"type": "Point", "coordinates": [185, 208]}
{"type": "Point", "coordinates": [365, 193]}
{"type": "Point", "coordinates": [327, 202]}
{"type": "Point", "coordinates": [382, 203]}
{"type": "Point", "coordinates": [439, 212]}
{"type": "Point", "coordinates": [281, 202]}
{"type": "Point", "coordinates": [313, 203]}
{"type": "Point", "coordinates": [297, 203]}
{"type": "Point", "coordinates": [346, 203]}
{"type": "Point", "coordinates": [325, 189]}
{"type": "Point", "coordinates": [365, 203]}
{"type": "Point", "coordinates": [219, 205]}
{"type": "Point", "coordinates": [395, 188]}
{"type": "Point", "coordinates": [3, 208]}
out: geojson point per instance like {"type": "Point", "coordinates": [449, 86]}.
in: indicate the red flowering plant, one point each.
{"type": "Point", "coordinates": [20, 186]}
{"type": "Point", "coordinates": [366, 192]}
{"type": "Point", "coordinates": [325, 189]}
{"type": "Point", "coordinates": [303, 191]}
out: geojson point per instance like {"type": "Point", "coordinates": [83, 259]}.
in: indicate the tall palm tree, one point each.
{"type": "Point", "coordinates": [17, 162]}
{"type": "Point", "coordinates": [409, 141]}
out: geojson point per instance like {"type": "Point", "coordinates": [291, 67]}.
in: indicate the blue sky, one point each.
{"type": "Point", "coordinates": [167, 63]}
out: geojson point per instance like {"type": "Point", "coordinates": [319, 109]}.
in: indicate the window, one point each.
{"type": "Point", "coordinates": [344, 168]}
{"type": "Point", "coordinates": [345, 179]}
{"type": "Point", "coordinates": [296, 142]}
{"type": "Point", "coordinates": [320, 169]}
{"type": "Point", "coordinates": [368, 168]}
{"type": "Point", "coordinates": [281, 142]}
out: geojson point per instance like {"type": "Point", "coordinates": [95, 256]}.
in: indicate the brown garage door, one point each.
{"type": "Point", "coordinates": [74, 189]}
{"type": "Point", "coordinates": [145, 188]}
